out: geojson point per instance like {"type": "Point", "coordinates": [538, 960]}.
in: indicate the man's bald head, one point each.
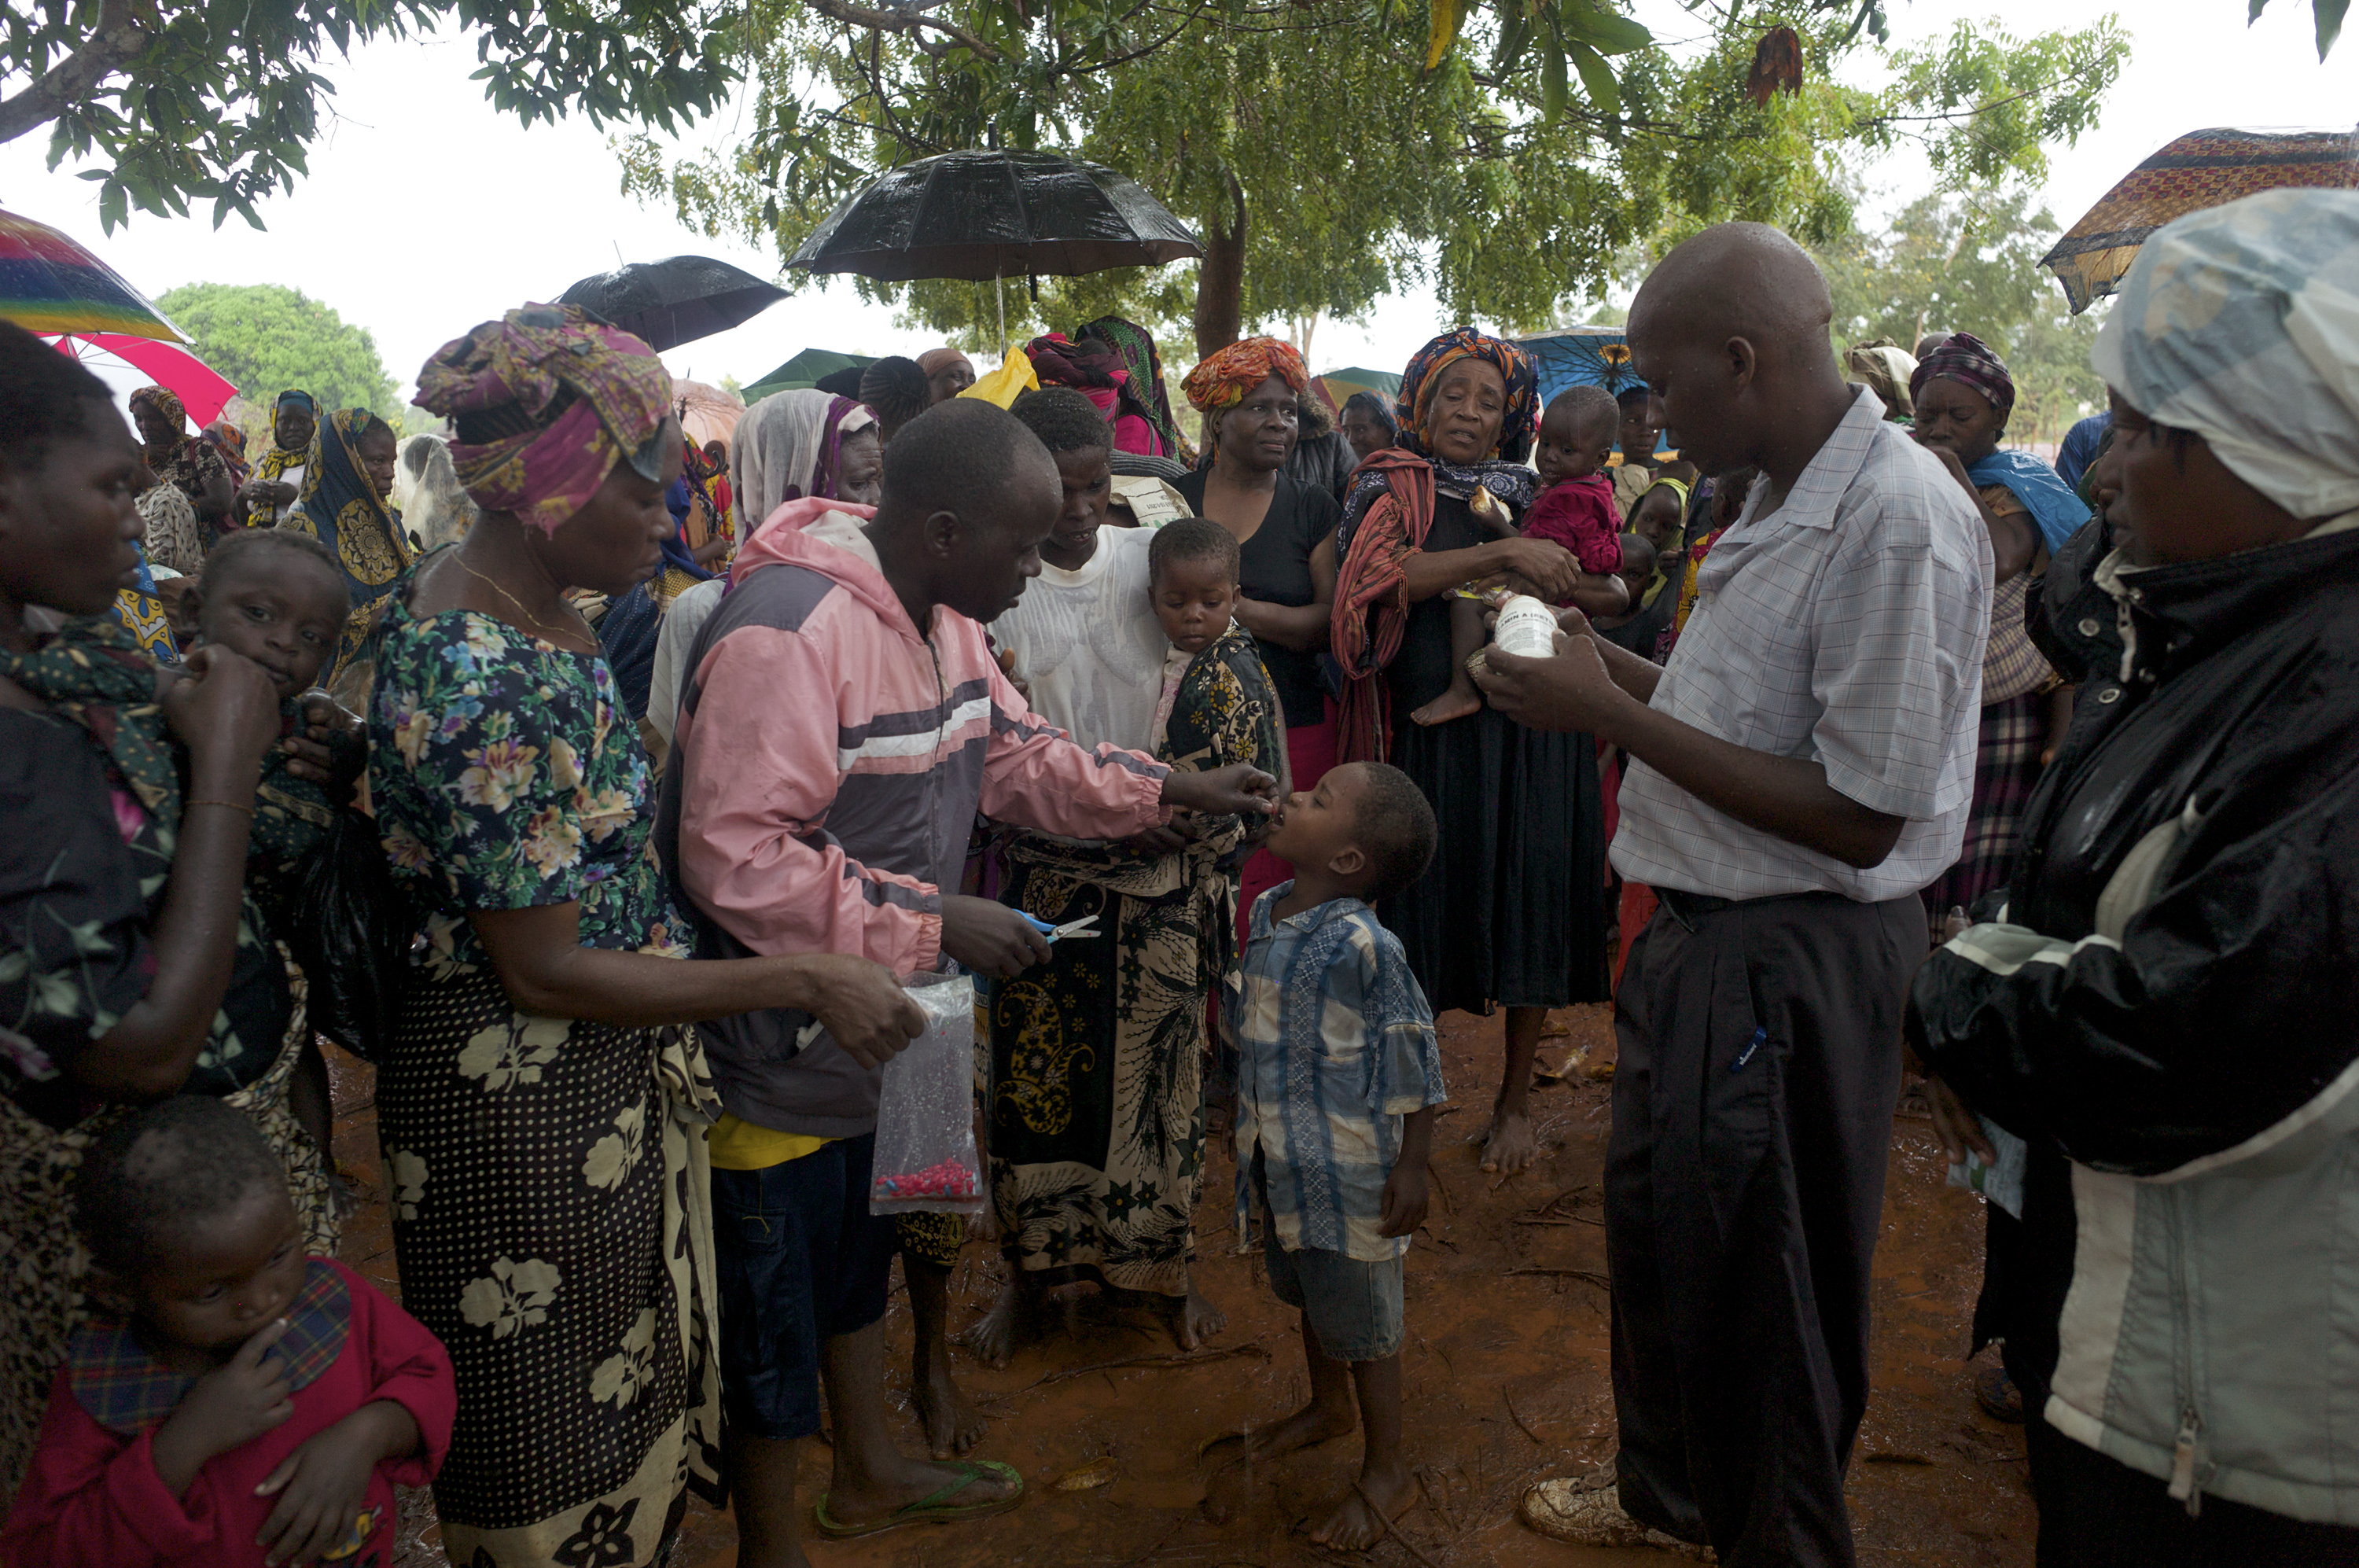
{"type": "Point", "coordinates": [1744, 280]}
{"type": "Point", "coordinates": [970, 493]}
{"type": "Point", "coordinates": [1731, 327]}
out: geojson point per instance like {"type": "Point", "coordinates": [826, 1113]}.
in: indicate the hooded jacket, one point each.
{"type": "Point", "coordinates": [2168, 1000]}
{"type": "Point", "coordinates": [828, 769]}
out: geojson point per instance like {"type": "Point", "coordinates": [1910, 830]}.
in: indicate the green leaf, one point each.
{"type": "Point", "coordinates": [2328, 14]}
{"type": "Point", "coordinates": [1554, 93]}
{"type": "Point", "coordinates": [1596, 79]}
{"type": "Point", "coordinates": [1602, 30]}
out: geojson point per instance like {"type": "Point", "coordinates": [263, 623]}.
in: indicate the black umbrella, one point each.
{"type": "Point", "coordinates": [995, 214]}
{"type": "Point", "coordinates": [674, 300]}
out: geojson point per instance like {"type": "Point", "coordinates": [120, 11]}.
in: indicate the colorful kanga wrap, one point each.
{"type": "Point", "coordinates": [1423, 379]}
{"type": "Point", "coordinates": [543, 404]}
{"type": "Point", "coordinates": [2242, 324]}
{"type": "Point", "coordinates": [1227, 374]}
{"type": "Point", "coordinates": [1973, 364]}
{"type": "Point", "coordinates": [1095, 1092]}
{"type": "Point", "coordinates": [339, 506]}
{"type": "Point", "coordinates": [89, 960]}
{"type": "Point", "coordinates": [1134, 346]}
{"type": "Point", "coordinates": [164, 400]}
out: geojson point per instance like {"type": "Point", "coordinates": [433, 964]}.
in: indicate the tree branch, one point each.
{"type": "Point", "coordinates": [896, 22]}
{"type": "Point", "coordinates": [117, 36]}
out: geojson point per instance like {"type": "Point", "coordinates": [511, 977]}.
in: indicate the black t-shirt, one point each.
{"type": "Point", "coordinates": [1275, 566]}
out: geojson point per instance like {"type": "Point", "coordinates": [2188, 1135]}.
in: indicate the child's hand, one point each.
{"type": "Point", "coordinates": [1404, 1197]}
{"type": "Point", "coordinates": [328, 748]}
{"type": "Point", "coordinates": [323, 1485]}
{"type": "Point", "coordinates": [228, 1407]}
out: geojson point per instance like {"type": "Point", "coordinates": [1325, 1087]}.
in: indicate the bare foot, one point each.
{"type": "Point", "coordinates": [1507, 1143]}
{"type": "Point", "coordinates": [952, 1425]}
{"type": "Point", "coordinates": [1193, 1320]}
{"type": "Point", "coordinates": [1013, 1320]}
{"type": "Point", "coordinates": [1458, 701]}
{"type": "Point", "coordinates": [1308, 1427]}
{"type": "Point", "coordinates": [1226, 1491]}
{"type": "Point", "coordinates": [1353, 1526]}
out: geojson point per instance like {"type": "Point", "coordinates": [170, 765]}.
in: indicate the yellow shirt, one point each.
{"type": "Point", "coordinates": [741, 1146]}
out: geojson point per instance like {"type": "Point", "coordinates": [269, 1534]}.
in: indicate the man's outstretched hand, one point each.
{"type": "Point", "coordinates": [1239, 790]}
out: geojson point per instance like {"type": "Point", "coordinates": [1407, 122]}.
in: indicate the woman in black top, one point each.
{"type": "Point", "coordinates": [1286, 540]}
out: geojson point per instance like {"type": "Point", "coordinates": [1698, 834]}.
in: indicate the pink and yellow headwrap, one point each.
{"type": "Point", "coordinates": [1227, 374]}
{"type": "Point", "coordinates": [543, 403]}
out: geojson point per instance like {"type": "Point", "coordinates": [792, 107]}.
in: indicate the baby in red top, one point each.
{"type": "Point", "coordinates": [239, 1403]}
{"type": "Point", "coordinates": [1575, 508]}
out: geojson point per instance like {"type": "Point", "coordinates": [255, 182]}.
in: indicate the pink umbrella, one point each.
{"type": "Point", "coordinates": [201, 389]}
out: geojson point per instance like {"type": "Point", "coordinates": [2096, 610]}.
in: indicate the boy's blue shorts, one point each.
{"type": "Point", "coordinates": [801, 1261]}
{"type": "Point", "coordinates": [1354, 1307]}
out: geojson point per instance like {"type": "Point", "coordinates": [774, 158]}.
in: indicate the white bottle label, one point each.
{"type": "Point", "coordinates": [1525, 627]}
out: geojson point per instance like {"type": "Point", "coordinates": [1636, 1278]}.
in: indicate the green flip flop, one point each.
{"type": "Point", "coordinates": [935, 1508]}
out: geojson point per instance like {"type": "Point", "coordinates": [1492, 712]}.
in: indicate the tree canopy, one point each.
{"type": "Point", "coordinates": [182, 100]}
{"type": "Point", "coordinates": [266, 337]}
{"type": "Point", "coordinates": [1971, 262]}
{"type": "Point", "coordinates": [1332, 151]}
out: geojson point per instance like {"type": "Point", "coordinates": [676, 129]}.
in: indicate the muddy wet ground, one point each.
{"type": "Point", "coordinates": [1505, 1375]}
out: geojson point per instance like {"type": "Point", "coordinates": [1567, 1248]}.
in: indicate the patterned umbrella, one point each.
{"type": "Point", "coordinates": [51, 285]}
{"type": "Point", "coordinates": [1580, 356]}
{"type": "Point", "coordinates": [2202, 168]}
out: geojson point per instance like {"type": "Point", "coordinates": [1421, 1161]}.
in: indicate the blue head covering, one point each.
{"type": "Point", "coordinates": [2053, 506]}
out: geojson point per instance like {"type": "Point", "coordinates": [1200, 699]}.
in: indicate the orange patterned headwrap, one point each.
{"type": "Point", "coordinates": [1225, 376]}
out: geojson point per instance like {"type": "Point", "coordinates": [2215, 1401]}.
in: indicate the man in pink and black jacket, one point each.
{"type": "Point", "coordinates": [843, 726]}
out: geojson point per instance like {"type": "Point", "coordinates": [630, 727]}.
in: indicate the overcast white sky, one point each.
{"type": "Point", "coordinates": [426, 211]}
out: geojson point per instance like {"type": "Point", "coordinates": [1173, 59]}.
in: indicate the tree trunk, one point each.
{"type": "Point", "coordinates": [1221, 278]}
{"type": "Point", "coordinates": [115, 38]}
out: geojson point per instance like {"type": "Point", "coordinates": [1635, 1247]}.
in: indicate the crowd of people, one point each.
{"type": "Point", "coordinates": [611, 792]}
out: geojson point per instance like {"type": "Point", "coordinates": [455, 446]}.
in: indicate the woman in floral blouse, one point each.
{"type": "Point", "coordinates": [544, 1128]}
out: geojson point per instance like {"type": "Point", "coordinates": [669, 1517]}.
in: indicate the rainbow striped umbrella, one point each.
{"type": "Point", "coordinates": [49, 285]}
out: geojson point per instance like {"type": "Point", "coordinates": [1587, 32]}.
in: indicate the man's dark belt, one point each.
{"type": "Point", "coordinates": [1689, 907]}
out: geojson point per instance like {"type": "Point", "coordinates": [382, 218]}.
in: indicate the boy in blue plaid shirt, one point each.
{"type": "Point", "coordinates": [1338, 1076]}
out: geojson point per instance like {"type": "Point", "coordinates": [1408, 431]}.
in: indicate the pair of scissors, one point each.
{"type": "Point", "coordinates": [1086, 927]}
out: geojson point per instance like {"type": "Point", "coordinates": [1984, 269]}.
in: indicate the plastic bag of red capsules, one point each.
{"type": "Point", "coordinates": [925, 1159]}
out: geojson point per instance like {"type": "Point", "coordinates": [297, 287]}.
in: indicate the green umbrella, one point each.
{"type": "Point", "coordinates": [805, 369]}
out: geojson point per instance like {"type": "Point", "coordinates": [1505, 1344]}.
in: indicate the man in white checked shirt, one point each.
{"type": "Point", "coordinates": [1802, 767]}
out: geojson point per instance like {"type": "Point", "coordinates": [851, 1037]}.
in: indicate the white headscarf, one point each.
{"type": "Point", "coordinates": [775, 458]}
{"type": "Point", "coordinates": [776, 454]}
{"type": "Point", "coordinates": [2240, 324]}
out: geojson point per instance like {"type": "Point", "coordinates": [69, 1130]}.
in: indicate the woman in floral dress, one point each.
{"type": "Point", "coordinates": [544, 1128]}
